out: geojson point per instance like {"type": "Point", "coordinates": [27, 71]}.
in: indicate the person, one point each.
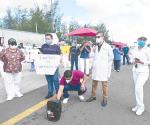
{"type": "Point", "coordinates": [84, 57]}
{"type": "Point", "coordinates": [33, 53]}
{"type": "Point", "coordinates": [1, 63]}
{"type": "Point", "coordinates": [72, 80]}
{"type": "Point", "coordinates": [50, 48]}
{"type": "Point", "coordinates": [12, 58]}
{"type": "Point", "coordinates": [125, 55]}
{"type": "Point", "coordinates": [117, 58]}
{"type": "Point", "coordinates": [73, 56]}
{"type": "Point", "coordinates": [140, 60]}
{"type": "Point", "coordinates": [101, 68]}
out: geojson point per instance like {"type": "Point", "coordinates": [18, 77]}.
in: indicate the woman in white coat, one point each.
{"type": "Point", "coordinates": [101, 68]}
{"type": "Point", "coordinates": [141, 60]}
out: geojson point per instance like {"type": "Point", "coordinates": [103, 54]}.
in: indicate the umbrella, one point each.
{"type": "Point", "coordinates": [82, 32]}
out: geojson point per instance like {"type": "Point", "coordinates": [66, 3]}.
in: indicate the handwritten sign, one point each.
{"type": "Point", "coordinates": [46, 64]}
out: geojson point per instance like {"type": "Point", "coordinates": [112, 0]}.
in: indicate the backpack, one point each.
{"type": "Point", "coordinates": [53, 110]}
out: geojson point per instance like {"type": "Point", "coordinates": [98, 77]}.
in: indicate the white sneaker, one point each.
{"type": "Point", "coordinates": [139, 111]}
{"type": "Point", "coordinates": [81, 97]}
{"type": "Point", "coordinates": [134, 109]}
{"type": "Point", "coordinates": [19, 94]}
{"type": "Point", "coordinates": [65, 100]}
{"type": "Point", "coordinates": [10, 98]}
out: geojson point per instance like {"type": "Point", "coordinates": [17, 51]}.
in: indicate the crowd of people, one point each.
{"type": "Point", "coordinates": [74, 79]}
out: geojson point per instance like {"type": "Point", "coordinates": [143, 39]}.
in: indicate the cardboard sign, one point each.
{"type": "Point", "coordinates": [46, 64]}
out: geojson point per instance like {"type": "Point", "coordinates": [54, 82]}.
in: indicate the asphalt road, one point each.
{"type": "Point", "coordinates": [117, 112]}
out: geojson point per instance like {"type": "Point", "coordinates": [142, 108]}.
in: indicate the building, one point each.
{"type": "Point", "coordinates": [23, 37]}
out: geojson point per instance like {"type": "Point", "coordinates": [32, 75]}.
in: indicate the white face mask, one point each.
{"type": "Point", "coordinates": [99, 41]}
{"type": "Point", "coordinates": [68, 81]}
{"type": "Point", "coordinates": [13, 47]}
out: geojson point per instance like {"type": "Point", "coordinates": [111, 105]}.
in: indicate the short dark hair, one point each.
{"type": "Point", "coordinates": [101, 33]}
{"type": "Point", "coordinates": [48, 34]}
{"type": "Point", "coordinates": [142, 38]}
{"type": "Point", "coordinates": [68, 74]}
{"type": "Point", "coordinates": [12, 42]}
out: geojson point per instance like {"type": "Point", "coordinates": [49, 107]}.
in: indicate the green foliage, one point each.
{"type": "Point", "coordinates": [36, 20]}
{"type": "Point", "coordinates": [9, 20]}
{"type": "Point", "coordinates": [33, 21]}
{"type": "Point", "coordinates": [102, 28]}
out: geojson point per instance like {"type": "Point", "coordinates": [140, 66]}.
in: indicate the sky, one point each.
{"type": "Point", "coordinates": [126, 20]}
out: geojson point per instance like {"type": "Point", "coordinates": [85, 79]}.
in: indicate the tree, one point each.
{"type": "Point", "coordinates": [53, 17]}
{"type": "Point", "coordinates": [102, 28]}
{"type": "Point", "coordinates": [22, 19]}
{"type": "Point", "coordinates": [38, 22]}
{"type": "Point", "coordinates": [72, 26]}
{"type": "Point", "coordinates": [35, 20]}
{"type": "Point", "coordinates": [9, 21]}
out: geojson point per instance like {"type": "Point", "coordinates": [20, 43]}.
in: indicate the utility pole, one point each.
{"type": "Point", "coordinates": [36, 27]}
{"type": "Point", "coordinates": [51, 9]}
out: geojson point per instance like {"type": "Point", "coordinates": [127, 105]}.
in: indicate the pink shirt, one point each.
{"type": "Point", "coordinates": [77, 75]}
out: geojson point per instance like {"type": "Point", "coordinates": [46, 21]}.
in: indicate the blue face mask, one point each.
{"type": "Point", "coordinates": [48, 42]}
{"type": "Point", "coordinates": [141, 43]}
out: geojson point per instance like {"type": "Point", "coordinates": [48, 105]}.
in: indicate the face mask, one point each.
{"type": "Point", "coordinates": [68, 81]}
{"type": "Point", "coordinates": [141, 43]}
{"type": "Point", "coordinates": [48, 42]}
{"type": "Point", "coordinates": [73, 44]}
{"type": "Point", "coordinates": [98, 41]}
{"type": "Point", "coordinates": [13, 47]}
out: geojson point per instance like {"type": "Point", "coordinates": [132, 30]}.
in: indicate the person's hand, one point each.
{"type": "Point", "coordinates": [134, 63]}
{"type": "Point", "coordinates": [82, 87]}
{"type": "Point", "coordinates": [138, 61]}
{"type": "Point", "coordinates": [58, 100]}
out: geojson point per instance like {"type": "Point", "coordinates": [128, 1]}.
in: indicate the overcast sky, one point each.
{"type": "Point", "coordinates": [126, 19]}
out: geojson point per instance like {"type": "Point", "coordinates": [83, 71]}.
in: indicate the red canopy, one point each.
{"type": "Point", "coordinates": [82, 32]}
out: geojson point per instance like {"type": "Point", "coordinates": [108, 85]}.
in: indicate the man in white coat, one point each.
{"type": "Point", "coordinates": [141, 60]}
{"type": "Point", "coordinates": [101, 68]}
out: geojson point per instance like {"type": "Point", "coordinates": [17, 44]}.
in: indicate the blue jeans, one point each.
{"type": "Point", "coordinates": [117, 64]}
{"type": "Point", "coordinates": [127, 58]}
{"type": "Point", "coordinates": [32, 66]}
{"type": "Point", "coordinates": [53, 81]}
{"type": "Point", "coordinates": [74, 60]}
{"type": "Point", "coordinates": [69, 87]}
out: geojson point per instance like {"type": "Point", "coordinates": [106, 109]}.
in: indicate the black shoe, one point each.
{"type": "Point", "coordinates": [91, 99]}
{"type": "Point", "coordinates": [104, 102]}
{"type": "Point", "coordinates": [48, 96]}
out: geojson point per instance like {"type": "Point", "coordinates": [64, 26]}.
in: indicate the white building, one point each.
{"type": "Point", "coordinates": [23, 37]}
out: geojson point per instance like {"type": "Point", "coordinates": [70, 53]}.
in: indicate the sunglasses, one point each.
{"type": "Point", "coordinates": [99, 36]}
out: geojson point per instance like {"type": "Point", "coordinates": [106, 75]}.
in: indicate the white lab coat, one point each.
{"type": "Point", "coordinates": [144, 55]}
{"type": "Point", "coordinates": [102, 63]}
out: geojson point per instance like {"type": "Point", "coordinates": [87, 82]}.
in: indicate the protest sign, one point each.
{"type": "Point", "coordinates": [46, 64]}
